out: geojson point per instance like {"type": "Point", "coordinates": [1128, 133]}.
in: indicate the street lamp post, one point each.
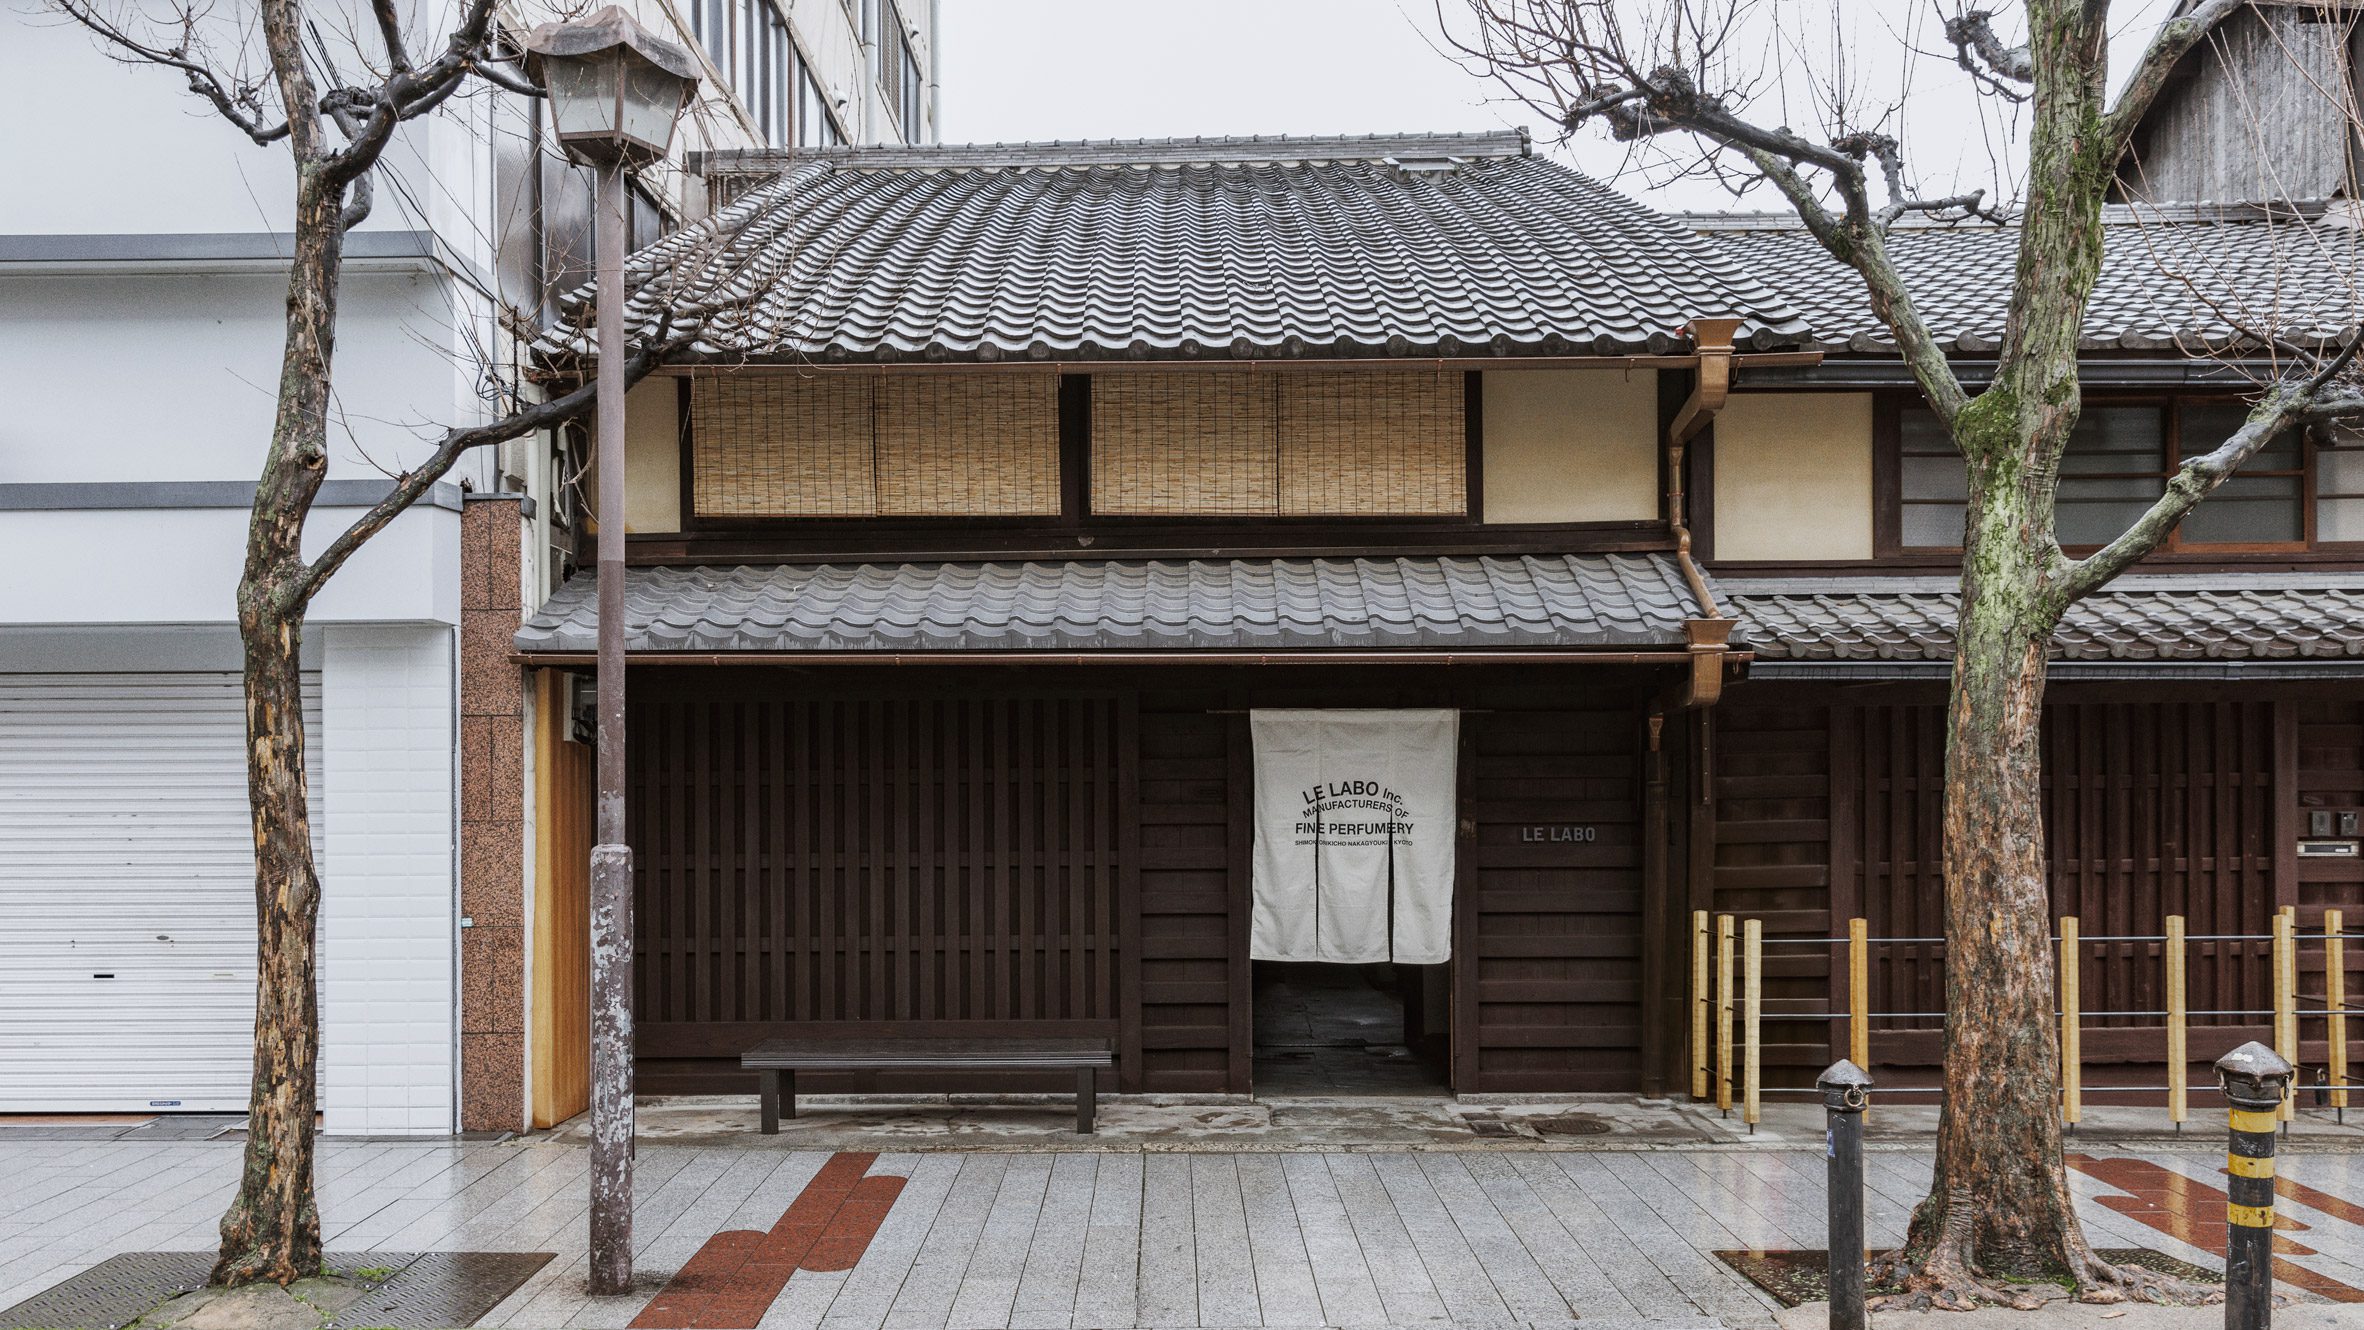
{"type": "Point", "coordinates": [615, 92]}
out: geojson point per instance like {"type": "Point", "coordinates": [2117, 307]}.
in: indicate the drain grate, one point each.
{"type": "Point", "coordinates": [442, 1289]}
{"type": "Point", "coordinates": [1572, 1124]}
{"type": "Point", "coordinates": [426, 1291]}
{"type": "Point", "coordinates": [113, 1293]}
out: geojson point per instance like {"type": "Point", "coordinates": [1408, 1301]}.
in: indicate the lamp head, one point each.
{"type": "Point", "coordinates": [615, 88]}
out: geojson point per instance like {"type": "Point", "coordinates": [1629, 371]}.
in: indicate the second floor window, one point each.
{"type": "Point", "coordinates": [755, 52]}
{"type": "Point", "coordinates": [2302, 489]}
{"type": "Point", "coordinates": [898, 72]}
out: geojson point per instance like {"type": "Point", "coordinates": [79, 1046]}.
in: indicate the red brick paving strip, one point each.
{"type": "Point", "coordinates": [737, 1275]}
{"type": "Point", "coordinates": [2193, 1211]}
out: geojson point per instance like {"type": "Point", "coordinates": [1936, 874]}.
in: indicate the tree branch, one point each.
{"type": "Point", "coordinates": [413, 484]}
{"type": "Point", "coordinates": [2002, 70]}
{"type": "Point", "coordinates": [239, 102]}
{"type": "Point", "coordinates": [2320, 397]}
{"type": "Point", "coordinates": [409, 92]}
{"type": "Point", "coordinates": [390, 32]}
{"type": "Point", "coordinates": [2174, 39]}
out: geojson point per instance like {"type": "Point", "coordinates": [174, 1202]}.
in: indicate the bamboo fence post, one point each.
{"type": "Point", "coordinates": [2335, 994]}
{"type": "Point", "coordinates": [2178, 1034]}
{"type": "Point", "coordinates": [2072, 1050]}
{"type": "Point", "coordinates": [2285, 958]}
{"type": "Point", "coordinates": [1752, 1004]}
{"type": "Point", "coordinates": [1700, 997]}
{"type": "Point", "coordinates": [1859, 994]}
{"type": "Point", "coordinates": [1724, 1014]}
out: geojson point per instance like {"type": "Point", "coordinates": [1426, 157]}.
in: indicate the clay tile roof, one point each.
{"type": "Point", "coordinates": [2291, 272]}
{"type": "Point", "coordinates": [1530, 602]}
{"type": "Point", "coordinates": [2193, 617]}
{"type": "Point", "coordinates": [1262, 248]}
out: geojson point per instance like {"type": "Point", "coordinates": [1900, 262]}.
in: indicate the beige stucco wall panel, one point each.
{"type": "Point", "coordinates": [1571, 445]}
{"type": "Point", "coordinates": [652, 457]}
{"type": "Point", "coordinates": [1793, 477]}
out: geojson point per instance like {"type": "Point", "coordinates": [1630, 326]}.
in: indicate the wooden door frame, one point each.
{"type": "Point", "coordinates": [1461, 1023]}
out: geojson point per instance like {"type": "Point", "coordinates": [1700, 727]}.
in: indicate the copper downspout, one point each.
{"type": "Point", "coordinates": [1709, 636]}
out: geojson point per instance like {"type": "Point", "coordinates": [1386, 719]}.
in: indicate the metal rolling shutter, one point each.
{"type": "Point", "coordinates": [127, 963]}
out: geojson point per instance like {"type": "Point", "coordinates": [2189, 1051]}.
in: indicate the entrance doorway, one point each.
{"type": "Point", "coordinates": [1376, 1029]}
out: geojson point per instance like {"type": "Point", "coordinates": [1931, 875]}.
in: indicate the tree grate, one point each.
{"type": "Point", "coordinates": [1796, 1277]}
{"type": "Point", "coordinates": [425, 1291]}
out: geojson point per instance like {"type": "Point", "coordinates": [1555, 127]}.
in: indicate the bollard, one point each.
{"type": "Point", "coordinates": [2255, 1081]}
{"type": "Point", "coordinates": [1845, 1088]}
{"type": "Point", "coordinates": [1752, 1019]}
{"type": "Point", "coordinates": [2072, 1037]}
{"type": "Point", "coordinates": [1724, 1014]}
{"type": "Point", "coordinates": [2285, 966]}
{"type": "Point", "coordinates": [2179, 1069]}
{"type": "Point", "coordinates": [1700, 999]}
{"type": "Point", "coordinates": [2335, 1001]}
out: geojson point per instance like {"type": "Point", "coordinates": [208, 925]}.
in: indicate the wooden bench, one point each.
{"type": "Point", "coordinates": [778, 1061]}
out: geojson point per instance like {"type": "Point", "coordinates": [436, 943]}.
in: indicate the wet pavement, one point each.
{"type": "Point", "coordinates": [1479, 1230]}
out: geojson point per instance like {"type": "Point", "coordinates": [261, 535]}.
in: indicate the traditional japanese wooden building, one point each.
{"type": "Point", "coordinates": [964, 557]}
{"type": "Point", "coordinates": [2206, 717]}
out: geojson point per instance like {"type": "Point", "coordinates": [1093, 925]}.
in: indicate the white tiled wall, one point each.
{"type": "Point", "coordinates": [387, 1018]}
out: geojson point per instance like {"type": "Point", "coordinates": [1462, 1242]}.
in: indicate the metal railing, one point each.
{"type": "Point", "coordinates": [1727, 1009]}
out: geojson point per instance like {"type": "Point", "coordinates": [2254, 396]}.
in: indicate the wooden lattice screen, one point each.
{"type": "Point", "coordinates": [860, 445]}
{"type": "Point", "coordinates": [1225, 443]}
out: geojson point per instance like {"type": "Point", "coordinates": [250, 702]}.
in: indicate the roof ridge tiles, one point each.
{"type": "Point", "coordinates": [1245, 149]}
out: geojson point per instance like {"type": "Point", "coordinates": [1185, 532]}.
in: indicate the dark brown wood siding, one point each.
{"type": "Point", "coordinates": [943, 859]}
{"type": "Point", "coordinates": [2157, 801]}
{"type": "Point", "coordinates": [936, 863]}
{"type": "Point", "coordinates": [2328, 756]}
{"type": "Point", "coordinates": [1773, 808]}
{"type": "Point", "coordinates": [1188, 962]}
{"type": "Point", "coordinates": [1552, 968]}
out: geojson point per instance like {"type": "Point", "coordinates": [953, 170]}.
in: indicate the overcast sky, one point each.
{"type": "Point", "coordinates": [1066, 69]}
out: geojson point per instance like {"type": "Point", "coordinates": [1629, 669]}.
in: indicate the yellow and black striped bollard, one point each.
{"type": "Point", "coordinates": [2255, 1079]}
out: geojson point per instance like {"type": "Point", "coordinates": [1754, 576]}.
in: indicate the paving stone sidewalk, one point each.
{"type": "Point", "coordinates": [1361, 1238]}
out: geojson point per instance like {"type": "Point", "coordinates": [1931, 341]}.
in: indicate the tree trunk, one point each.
{"type": "Point", "coordinates": [1998, 1206]}
{"type": "Point", "coordinates": [272, 1230]}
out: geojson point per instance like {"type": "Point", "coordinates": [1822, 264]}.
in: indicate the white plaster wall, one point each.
{"type": "Point", "coordinates": [173, 375]}
{"type": "Point", "coordinates": [1794, 477]}
{"type": "Point", "coordinates": [181, 565]}
{"type": "Point", "coordinates": [388, 1013]}
{"type": "Point", "coordinates": [1571, 445]}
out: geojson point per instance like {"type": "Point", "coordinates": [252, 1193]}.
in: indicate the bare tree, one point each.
{"type": "Point", "coordinates": [335, 134]}
{"type": "Point", "coordinates": [1998, 1204]}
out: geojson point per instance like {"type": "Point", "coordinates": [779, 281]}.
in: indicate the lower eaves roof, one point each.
{"type": "Point", "coordinates": [2189, 280]}
{"type": "Point", "coordinates": [1573, 602]}
{"type": "Point", "coordinates": [2161, 619]}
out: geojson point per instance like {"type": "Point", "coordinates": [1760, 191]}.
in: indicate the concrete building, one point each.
{"type": "Point", "coordinates": [142, 275]}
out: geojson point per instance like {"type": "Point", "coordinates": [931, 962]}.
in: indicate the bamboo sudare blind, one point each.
{"type": "Point", "coordinates": [958, 445]}
{"type": "Point", "coordinates": [1386, 443]}
{"type": "Point", "coordinates": [867, 445]}
{"type": "Point", "coordinates": [1198, 443]}
{"type": "Point", "coordinates": [1390, 442]}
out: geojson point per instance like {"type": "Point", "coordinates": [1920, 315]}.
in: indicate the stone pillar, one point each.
{"type": "Point", "coordinates": [492, 817]}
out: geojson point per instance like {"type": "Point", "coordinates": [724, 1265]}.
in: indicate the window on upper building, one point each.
{"type": "Point", "coordinates": [899, 73]}
{"type": "Point", "coordinates": [2302, 489]}
{"type": "Point", "coordinates": [754, 50]}
{"type": "Point", "coordinates": [1229, 443]}
{"type": "Point", "coordinates": [816, 122]}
